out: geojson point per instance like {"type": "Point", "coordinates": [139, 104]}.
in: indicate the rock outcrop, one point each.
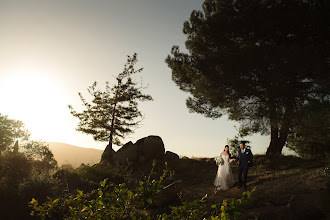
{"type": "Point", "coordinates": [170, 156]}
{"type": "Point", "coordinates": [144, 150]}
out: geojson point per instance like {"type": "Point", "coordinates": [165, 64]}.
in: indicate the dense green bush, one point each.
{"type": "Point", "coordinates": [20, 180]}
{"type": "Point", "coordinates": [116, 201]}
{"type": "Point", "coordinates": [204, 209]}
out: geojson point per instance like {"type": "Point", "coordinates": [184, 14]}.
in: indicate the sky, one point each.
{"type": "Point", "coordinates": [51, 50]}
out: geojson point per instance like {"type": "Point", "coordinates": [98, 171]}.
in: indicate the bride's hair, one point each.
{"type": "Point", "coordinates": [228, 150]}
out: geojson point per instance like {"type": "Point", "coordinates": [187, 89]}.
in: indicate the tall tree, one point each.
{"type": "Point", "coordinates": [10, 131]}
{"type": "Point", "coordinates": [258, 61]}
{"type": "Point", "coordinates": [113, 113]}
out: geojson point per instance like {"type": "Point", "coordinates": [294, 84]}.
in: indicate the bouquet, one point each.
{"type": "Point", "coordinates": [219, 160]}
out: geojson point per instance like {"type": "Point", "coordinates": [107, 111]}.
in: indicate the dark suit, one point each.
{"type": "Point", "coordinates": [244, 160]}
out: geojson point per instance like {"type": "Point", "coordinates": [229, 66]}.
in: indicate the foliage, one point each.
{"type": "Point", "coordinates": [188, 210]}
{"type": "Point", "coordinates": [200, 209]}
{"type": "Point", "coordinates": [116, 201]}
{"type": "Point", "coordinates": [87, 177]}
{"type": "Point", "coordinates": [20, 179]}
{"type": "Point", "coordinates": [325, 200]}
{"type": "Point", "coordinates": [311, 137]}
{"type": "Point", "coordinates": [234, 145]}
{"type": "Point", "coordinates": [278, 162]}
{"type": "Point", "coordinates": [38, 185]}
{"type": "Point", "coordinates": [39, 152]}
{"type": "Point", "coordinates": [259, 62]}
{"type": "Point", "coordinates": [10, 130]}
{"type": "Point", "coordinates": [327, 174]}
{"type": "Point", "coordinates": [114, 112]}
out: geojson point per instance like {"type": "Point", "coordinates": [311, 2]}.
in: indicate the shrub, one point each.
{"type": "Point", "coordinates": [203, 209]}
{"type": "Point", "coordinates": [116, 201]}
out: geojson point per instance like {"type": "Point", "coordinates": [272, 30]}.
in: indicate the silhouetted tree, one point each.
{"type": "Point", "coordinates": [258, 61]}
{"type": "Point", "coordinates": [114, 112]}
{"type": "Point", "coordinates": [39, 152]}
{"type": "Point", "coordinates": [10, 131]}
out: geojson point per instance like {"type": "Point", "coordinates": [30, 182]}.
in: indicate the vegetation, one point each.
{"type": "Point", "coordinates": [10, 131]}
{"type": "Point", "coordinates": [311, 137]}
{"type": "Point", "coordinates": [260, 62]}
{"type": "Point", "coordinates": [118, 201]}
{"type": "Point", "coordinates": [22, 178]}
{"type": "Point", "coordinates": [114, 112]}
{"type": "Point", "coordinates": [234, 144]}
{"type": "Point", "coordinates": [122, 193]}
{"type": "Point", "coordinates": [203, 209]}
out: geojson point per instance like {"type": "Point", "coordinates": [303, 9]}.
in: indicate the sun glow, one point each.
{"type": "Point", "coordinates": [35, 98]}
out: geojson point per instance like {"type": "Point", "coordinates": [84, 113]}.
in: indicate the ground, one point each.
{"type": "Point", "coordinates": [285, 187]}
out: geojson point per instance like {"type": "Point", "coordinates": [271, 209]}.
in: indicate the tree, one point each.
{"type": "Point", "coordinates": [10, 131]}
{"type": "Point", "coordinates": [260, 62]}
{"type": "Point", "coordinates": [39, 152]}
{"type": "Point", "coordinates": [114, 112]}
{"type": "Point", "coordinates": [234, 145]}
{"type": "Point", "coordinates": [311, 136]}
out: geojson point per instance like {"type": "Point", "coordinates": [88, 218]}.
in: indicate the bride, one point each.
{"type": "Point", "coordinates": [224, 178]}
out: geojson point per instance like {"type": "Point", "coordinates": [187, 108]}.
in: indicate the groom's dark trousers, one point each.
{"type": "Point", "coordinates": [243, 167]}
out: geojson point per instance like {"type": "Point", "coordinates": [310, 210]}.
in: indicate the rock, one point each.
{"type": "Point", "coordinates": [170, 156]}
{"type": "Point", "coordinates": [305, 206]}
{"type": "Point", "coordinates": [168, 194]}
{"type": "Point", "coordinates": [153, 147]}
{"type": "Point", "coordinates": [144, 150]}
{"type": "Point", "coordinates": [107, 155]}
{"type": "Point", "coordinates": [127, 153]}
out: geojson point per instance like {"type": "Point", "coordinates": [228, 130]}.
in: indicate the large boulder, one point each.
{"type": "Point", "coordinates": [107, 155]}
{"type": "Point", "coordinates": [127, 153]}
{"type": "Point", "coordinates": [153, 148]}
{"type": "Point", "coordinates": [144, 150]}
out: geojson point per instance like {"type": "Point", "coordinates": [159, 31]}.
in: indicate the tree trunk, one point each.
{"type": "Point", "coordinates": [109, 152]}
{"type": "Point", "coordinates": [112, 125]}
{"type": "Point", "coordinates": [274, 148]}
{"type": "Point", "coordinates": [278, 137]}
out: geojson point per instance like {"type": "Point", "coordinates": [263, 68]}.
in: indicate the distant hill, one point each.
{"type": "Point", "coordinates": [70, 154]}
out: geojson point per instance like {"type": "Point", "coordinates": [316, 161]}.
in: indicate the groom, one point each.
{"type": "Point", "coordinates": [245, 157]}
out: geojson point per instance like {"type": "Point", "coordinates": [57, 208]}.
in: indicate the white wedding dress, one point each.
{"type": "Point", "coordinates": [224, 179]}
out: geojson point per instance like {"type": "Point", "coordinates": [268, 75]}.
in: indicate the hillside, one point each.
{"type": "Point", "coordinates": [285, 188]}
{"type": "Point", "coordinates": [70, 154]}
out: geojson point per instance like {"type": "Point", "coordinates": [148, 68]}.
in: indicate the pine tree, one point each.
{"type": "Point", "coordinates": [259, 62]}
{"type": "Point", "coordinates": [113, 113]}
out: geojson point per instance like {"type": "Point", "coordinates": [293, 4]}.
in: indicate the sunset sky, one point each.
{"type": "Point", "coordinates": [51, 50]}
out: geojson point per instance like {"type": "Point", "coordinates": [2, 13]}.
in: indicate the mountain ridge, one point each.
{"type": "Point", "coordinates": [74, 155]}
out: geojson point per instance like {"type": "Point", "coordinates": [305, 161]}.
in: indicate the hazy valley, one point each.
{"type": "Point", "coordinates": [74, 155]}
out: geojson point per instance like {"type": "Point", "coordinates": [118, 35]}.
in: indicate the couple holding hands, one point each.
{"type": "Point", "coordinates": [224, 179]}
